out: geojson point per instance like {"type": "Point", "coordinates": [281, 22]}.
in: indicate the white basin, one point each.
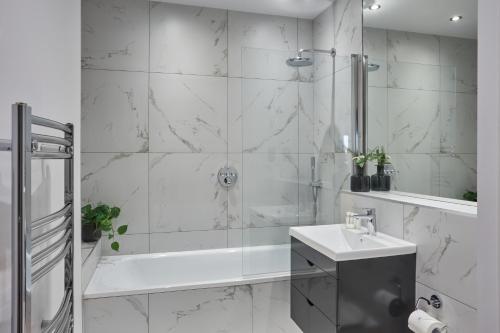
{"type": "Point", "coordinates": [341, 244]}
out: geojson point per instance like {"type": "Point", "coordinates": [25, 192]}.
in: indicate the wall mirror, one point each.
{"type": "Point", "coordinates": [422, 92]}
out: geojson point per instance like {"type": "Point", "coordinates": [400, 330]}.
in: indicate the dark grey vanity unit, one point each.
{"type": "Point", "coordinates": [373, 295]}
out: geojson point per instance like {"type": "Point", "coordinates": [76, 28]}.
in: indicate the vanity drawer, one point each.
{"type": "Point", "coordinates": [320, 260]}
{"type": "Point", "coordinates": [307, 316]}
{"type": "Point", "coordinates": [315, 284]}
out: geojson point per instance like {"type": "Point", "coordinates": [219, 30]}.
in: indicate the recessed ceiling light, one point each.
{"type": "Point", "coordinates": [456, 18]}
{"type": "Point", "coordinates": [374, 7]}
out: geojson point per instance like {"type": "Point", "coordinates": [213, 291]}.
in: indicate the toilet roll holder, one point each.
{"type": "Point", "coordinates": [436, 303]}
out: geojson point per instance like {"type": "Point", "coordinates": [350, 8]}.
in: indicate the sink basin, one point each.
{"type": "Point", "coordinates": [341, 244]}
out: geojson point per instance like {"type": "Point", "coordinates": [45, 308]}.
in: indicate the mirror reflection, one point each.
{"type": "Point", "coordinates": [422, 92]}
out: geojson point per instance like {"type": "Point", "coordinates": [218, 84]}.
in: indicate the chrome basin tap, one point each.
{"type": "Point", "coordinates": [369, 218]}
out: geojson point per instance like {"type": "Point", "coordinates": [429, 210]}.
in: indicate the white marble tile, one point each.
{"type": "Point", "coordinates": [458, 57]}
{"type": "Point", "coordinates": [323, 39]}
{"type": "Point", "coordinates": [258, 31]}
{"type": "Point", "coordinates": [114, 111]}
{"type": "Point", "coordinates": [234, 194]}
{"type": "Point", "coordinates": [342, 109]}
{"type": "Point", "coordinates": [129, 244]}
{"type": "Point", "coordinates": [348, 21]}
{"type": "Point", "coordinates": [258, 236]}
{"type": "Point", "coordinates": [211, 310]}
{"type": "Point", "coordinates": [103, 176]}
{"type": "Point", "coordinates": [306, 199]}
{"type": "Point", "coordinates": [270, 191]}
{"type": "Point", "coordinates": [324, 115]}
{"type": "Point", "coordinates": [389, 214]}
{"type": "Point", "coordinates": [271, 308]}
{"type": "Point", "coordinates": [457, 174]}
{"type": "Point", "coordinates": [234, 117]}
{"type": "Point", "coordinates": [416, 173]}
{"type": "Point", "coordinates": [305, 41]}
{"type": "Point", "coordinates": [188, 240]}
{"type": "Point", "coordinates": [326, 173]}
{"type": "Point", "coordinates": [267, 64]}
{"type": "Point", "coordinates": [458, 124]}
{"type": "Point", "coordinates": [115, 34]}
{"type": "Point", "coordinates": [377, 78]}
{"type": "Point", "coordinates": [446, 256]}
{"type": "Point", "coordinates": [188, 39]}
{"type": "Point", "coordinates": [406, 75]}
{"type": "Point", "coordinates": [410, 47]}
{"type": "Point", "coordinates": [341, 181]}
{"type": "Point", "coordinates": [179, 182]}
{"type": "Point", "coordinates": [127, 314]}
{"type": "Point", "coordinates": [459, 317]}
{"type": "Point", "coordinates": [270, 116]}
{"type": "Point", "coordinates": [90, 263]}
{"type": "Point", "coordinates": [375, 43]}
{"type": "Point", "coordinates": [306, 118]}
{"type": "Point", "coordinates": [377, 117]}
{"type": "Point", "coordinates": [187, 113]}
{"type": "Point", "coordinates": [413, 121]}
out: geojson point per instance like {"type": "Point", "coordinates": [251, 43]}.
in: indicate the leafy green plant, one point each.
{"type": "Point", "coordinates": [470, 196]}
{"type": "Point", "coordinates": [361, 159]}
{"type": "Point", "coordinates": [378, 154]}
{"type": "Point", "coordinates": [102, 217]}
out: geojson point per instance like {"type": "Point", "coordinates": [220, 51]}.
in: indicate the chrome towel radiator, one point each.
{"type": "Point", "coordinates": [53, 242]}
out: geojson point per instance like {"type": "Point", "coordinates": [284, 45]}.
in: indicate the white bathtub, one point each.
{"type": "Point", "coordinates": [161, 272]}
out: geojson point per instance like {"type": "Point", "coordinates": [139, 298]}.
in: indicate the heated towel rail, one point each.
{"type": "Point", "coordinates": [39, 245]}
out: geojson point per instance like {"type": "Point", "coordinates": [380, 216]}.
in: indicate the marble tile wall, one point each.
{"type": "Point", "coordinates": [422, 108]}
{"type": "Point", "coordinates": [172, 93]}
{"type": "Point", "coordinates": [446, 253]}
{"type": "Point", "coordinates": [258, 308]}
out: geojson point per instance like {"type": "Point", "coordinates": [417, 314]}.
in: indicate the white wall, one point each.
{"type": "Point", "coordinates": [488, 164]}
{"type": "Point", "coordinates": [40, 65]}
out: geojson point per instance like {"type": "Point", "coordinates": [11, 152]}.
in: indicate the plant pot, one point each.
{"type": "Point", "coordinates": [380, 181]}
{"type": "Point", "coordinates": [90, 233]}
{"type": "Point", "coordinates": [360, 182]}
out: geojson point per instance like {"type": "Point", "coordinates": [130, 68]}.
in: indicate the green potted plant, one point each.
{"type": "Point", "coordinates": [360, 182]}
{"type": "Point", "coordinates": [99, 219]}
{"type": "Point", "coordinates": [470, 196]}
{"type": "Point", "coordinates": [380, 181]}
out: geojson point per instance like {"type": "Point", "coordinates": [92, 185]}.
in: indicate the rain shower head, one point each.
{"type": "Point", "coordinates": [300, 61]}
{"type": "Point", "coordinates": [373, 67]}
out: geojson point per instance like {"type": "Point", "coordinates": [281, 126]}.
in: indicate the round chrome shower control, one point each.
{"type": "Point", "coordinates": [227, 176]}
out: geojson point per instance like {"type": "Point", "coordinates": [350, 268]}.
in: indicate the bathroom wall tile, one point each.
{"type": "Point", "coordinates": [378, 77]}
{"type": "Point", "coordinates": [270, 191]}
{"type": "Point", "coordinates": [234, 118]}
{"type": "Point", "coordinates": [342, 109]}
{"type": "Point", "coordinates": [128, 314]}
{"type": "Point", "coordinates": [406, 75]}
{"type": "Point", "coordinates": [446, 256]}
{"type": "Point", "coordinates": [326, 173]}
{"type": "Point", "coordinates": [458, 57]}
{"type": "Point", "coordinates": [458, 124]}
{"type": "Point", "coordinates": [179, 182]}
{"type": "Point", "coordinates": [348, 17]}
{"type": "Point", "coordinates": [323, 115]}
{"type": "Point", "coordinates": [270, 116]}
{"type": "Point", "coordinates": [115, 34]}
{"type": "Point", "coordinates": [458, 174]}
{"type": "Point", "coordinates": [271, 308]}
{"type": "Point", "coordinates": [114, 111]}
{"type": "Point", "coordinates": [341, 181]}
{"type": "Point", "coordinates": [103, 177]}
{"type": "Point", "coordinates": [389, 214]}
{"type": "Point", "coordinates": [324, 30]}
{"type": "Point", "coordinates": [375, 43]}
{"type": "Point", "coordinates": [188, 39]}
{"type": "Point", "coordinates": [411, 47]}
{"type": "Point", "coordinates": [90, 263]}
{"type": "Point", "coordinates": [416, 173]}
{"type": "Point", "coordinates": [258, 236]}
{"type": "Point", "coordinates": [188, 113]}
{"type": "Point", "coordinates": [306, 201]}
{"type": "Point", "coordinates": [413, 121]}
{"type": "Point", "coordinates": [267, 64]}
{"type": "Point", "coordinates": [247, 30]}
{"type": "Point", "coordinates": [203, 310]}
{"type": "Point", "coordinates": [234, 193]}
{"type": "Point", "coordinates": [129, 244]}
{"type": "Point", "coordinates": [377, 117]}
{"type": "Point", "coordinates": [459, 317]}
{"type": "Point", "coordinates": [188, 240]}
{"type": "Point", "coordinates": [305, 41]}
{"type": "Point", "coordinates": [306, 118]}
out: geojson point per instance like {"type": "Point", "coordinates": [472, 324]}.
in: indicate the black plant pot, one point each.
{"type": "Point", "coordinates": [90, 233]}
{"type": "Point", "coordinates": [381, 181]}
{"type": "Point", "coordinates": [360, 182]}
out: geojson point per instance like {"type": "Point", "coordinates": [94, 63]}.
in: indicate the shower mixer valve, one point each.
{"type": "Point", "coordinates": [227, 176]}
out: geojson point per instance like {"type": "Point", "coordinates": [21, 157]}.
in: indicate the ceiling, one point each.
{"type": "Point", "coordinates": [425, 16]}
{"type": "Point", "coordinates": [308, 9]}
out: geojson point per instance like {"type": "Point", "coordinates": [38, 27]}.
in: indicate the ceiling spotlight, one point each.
{"type": "Point", "coordinates": [456, 18]}
{"type": "Point", "coordinates": [374, 7]}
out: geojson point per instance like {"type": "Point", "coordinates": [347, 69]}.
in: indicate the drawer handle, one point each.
{"type": "Point", "coordinates": [310, 263]}
{"type": "Point", "coordinates": [309, 302]}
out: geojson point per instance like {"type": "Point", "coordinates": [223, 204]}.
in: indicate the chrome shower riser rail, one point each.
{"type": "Point", "coordinates": [24, 147]}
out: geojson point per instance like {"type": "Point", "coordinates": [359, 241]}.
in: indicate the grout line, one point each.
{"type": "Point", "coordinates": [443, 293]}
